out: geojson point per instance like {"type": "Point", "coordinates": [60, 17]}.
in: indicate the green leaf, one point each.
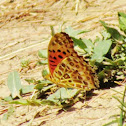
{"type": "Point", "coordinates": [62, 94]}
{"type": "Point", "coordinates": [122, 21]}
{"type": "Point", "coordinates": [100, 50]}
{"type": "Point", "coordinates": [14, 84]}
{"type": "Point", "coordinates": [42, 53]}
{"type": "Point", "coordinates": [31, 81]}
{"type": "Point", "coordinates": [25, 63]}
{"type": "Point", "coordinates": [20, 101]}
{"type": "Point", "coordinates": [9, 113]}
{"type": "Point", "coordinates": [43, 62]}
{"type": "Point", "coordinates": [114, 33]}
{"type": "Point", "coordinates": [47, 102]}
{"type": "Point", "coordinates": [71, 32]}
{"type": "Point", "coordinates": [101, 75]}
{"type": "Point", "coordinates": [41, 85]}
{"type": "Point", "coordinates": [48, 87]}
{"type": "Point", "coordinates": [89, 45]}
{"type": "Point", "coordinates": [44, 73]}
{"type": "Point", "coordinates": [106, 35]}
{"type": "Point", "coordinates": [9, 98]}
{"type": "Point", "coordinates": [79, 42]}
{"type": "Point", "coordinates": [44, 81]}
{"type": "Point", "coordinates": [33, 102]}
{"type": "Point", "coordinates": [26, 102]}
{"type": "Point", "coordinates": [27, 88]}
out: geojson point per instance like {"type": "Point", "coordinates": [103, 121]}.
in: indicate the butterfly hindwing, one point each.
{"type": "Point", "coordinates": [74, 73]}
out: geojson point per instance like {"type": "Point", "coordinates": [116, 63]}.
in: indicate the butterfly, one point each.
{"type": "Point", "coordinates": [68, 69]}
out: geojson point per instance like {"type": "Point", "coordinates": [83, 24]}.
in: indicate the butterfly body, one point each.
{"type": "Point", "coordinates": [67, 69]}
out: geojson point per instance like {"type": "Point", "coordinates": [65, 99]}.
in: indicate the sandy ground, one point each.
{"type": "Point", "coordinates": [25, 29]}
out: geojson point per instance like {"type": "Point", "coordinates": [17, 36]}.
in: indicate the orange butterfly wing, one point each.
{"type": "Point", "coordinates": [67, 69]}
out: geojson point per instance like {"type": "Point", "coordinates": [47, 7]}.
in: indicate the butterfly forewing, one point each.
{"type": "Point", "coordinates": [67, 69]}
{"type": "Point", "coordinates": [60, 47]}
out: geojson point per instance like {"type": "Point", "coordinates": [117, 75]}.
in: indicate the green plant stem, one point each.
{"type": "Point", "coordinates": [122, 114]}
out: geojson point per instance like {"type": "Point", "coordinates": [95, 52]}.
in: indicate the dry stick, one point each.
{"type": "Point", "coordinates": [96, 16]}
{"type": "Point", "coordinates": [37, 111]}
{"type": "Point", "coordinates": [14, 43]}
{"type": "Point", "coordinates": [92, 100]}
{"type": "Point", "coordinates": [96, 120]}
{"type": "Point", "coordinates": [76, 6]}
{"type": "Point", "coordinates": [10, 55]}
{"type": "Point", "coordinates": [103, 14]}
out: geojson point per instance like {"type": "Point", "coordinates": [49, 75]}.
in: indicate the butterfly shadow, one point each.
{"type": "Point", "coordinates": [82, 97]}
{"type": "Point", "coordinates": [108, 85]}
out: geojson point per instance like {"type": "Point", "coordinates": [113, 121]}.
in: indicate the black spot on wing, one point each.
{"type": "Point", "coordinates": [52, 61]}
{"type": "Point", "coordinates": [59, 50]}
{"type": "Point", "coordinates": [64, 52]}
{"type": "Point", "coordinates": [68, 51]}
{"type": "Point", "coordinates": [60, 56]}
{"type": "Point", "coordinates": [54, 58]}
